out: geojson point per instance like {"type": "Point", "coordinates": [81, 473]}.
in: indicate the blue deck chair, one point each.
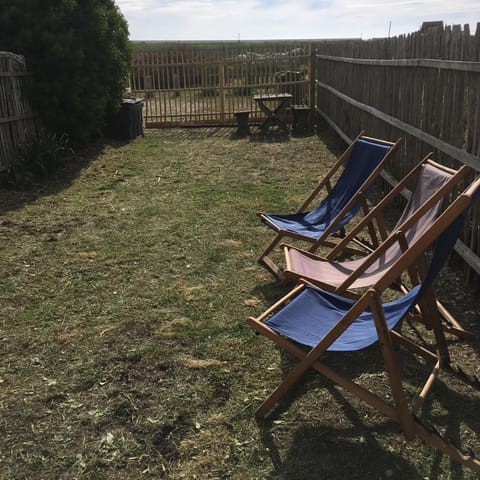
{"type": "Point", "coordinates": [321, 321]}
{"type": "Point", "coordinates": [362, 163]}
{"type": "Point", "coordinates": [431, 183]}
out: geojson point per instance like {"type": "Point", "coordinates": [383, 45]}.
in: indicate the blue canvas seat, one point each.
{"type": "Point", "coordinates": [431, 183]}
{"type": "Point", "coordinates": [314, 312]}
{"type": "Point", "coordinates": [309, 321]}
{"type": "Point", "coordinates": [362, 162]}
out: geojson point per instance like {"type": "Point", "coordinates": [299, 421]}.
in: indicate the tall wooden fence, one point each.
{"type": "Point", "coordinates": [17, 120]}
{"type": "Point", "coordinates": [189, 84]}
{"type": "Point", "coordinates": [424, 87]}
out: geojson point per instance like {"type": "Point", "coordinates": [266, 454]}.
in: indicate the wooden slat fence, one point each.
{"type": "Point", "coordinates": [424, 87]}
{"type": "Point", "coordinates": [18, 123]}
{"type": "Point", "coordinates": [187, 85]}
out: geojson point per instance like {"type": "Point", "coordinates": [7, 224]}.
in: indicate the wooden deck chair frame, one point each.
{"type": "Point", "coordinates": [325, 185]}
{"type": "Point", "coordinates": [375, 217]}
{"type": "Point", "coordinates": [398, 408]}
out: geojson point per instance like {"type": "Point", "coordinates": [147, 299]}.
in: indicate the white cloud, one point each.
{"type": "Point", "coordinates": [255, 19]}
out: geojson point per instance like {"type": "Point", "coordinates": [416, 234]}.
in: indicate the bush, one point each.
{"type": "Point", "coordinates": [36, 159]}
{"type": "Point", "coordinates": [79, 53]}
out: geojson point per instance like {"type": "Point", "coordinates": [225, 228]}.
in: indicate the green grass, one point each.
{"type": "Point", "coordinates": [153, 45]}
{"type": "Point", "coordinates": [124, 286]}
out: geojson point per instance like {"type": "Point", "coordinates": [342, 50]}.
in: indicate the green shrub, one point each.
{"type": "Point", "coordinates": [36, 159]}
{"type": "Point", "coordinates": [79, 53]}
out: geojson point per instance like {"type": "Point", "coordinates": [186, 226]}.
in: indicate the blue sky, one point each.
{"type": "Point", "coordinates": [281, 19]}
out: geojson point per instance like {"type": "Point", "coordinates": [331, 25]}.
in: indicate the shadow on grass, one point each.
{"type": "Point", "coordinates": [272, 291]}
{"type": "Point", "coordinates": [336, 453]}
{"type": "Point", "coordinates": [273, 136]}
{"type": "Point", "coordinates": [192, 133]}
{"type": "Point", "coordinates": [12, 198]}
{"type": "Point", "coordinates": [322, 451]}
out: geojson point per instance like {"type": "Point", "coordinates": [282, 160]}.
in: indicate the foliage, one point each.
{"type": "Point", "coordinates": [80, 55]}
{"type": "Point", "coordinates": [36, 159]}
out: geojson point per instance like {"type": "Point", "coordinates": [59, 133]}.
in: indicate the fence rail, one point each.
{"type": "Point", "coordinates": [189, 85]}
{"type": "Point", "coordinates": [18, 123]}
{"type": "Point", "coordinates": [424, 87]}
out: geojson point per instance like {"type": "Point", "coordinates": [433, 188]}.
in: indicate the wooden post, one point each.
{"type": "Point", "coordinates": [221, 81]}
{"type": "Point", "coordinates": [312, 90]}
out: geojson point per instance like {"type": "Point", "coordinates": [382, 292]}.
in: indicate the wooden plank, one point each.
{"type": "Point", "coordinates": [452, 151]}
{"type": "Point", "coordinates": [464, 66]}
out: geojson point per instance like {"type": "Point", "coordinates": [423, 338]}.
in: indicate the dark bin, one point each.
{"type": "Point", "coordinates": [127, 123]}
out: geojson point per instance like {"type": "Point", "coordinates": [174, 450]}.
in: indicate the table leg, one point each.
{"type": "Point", "coordinates": [273, 116]}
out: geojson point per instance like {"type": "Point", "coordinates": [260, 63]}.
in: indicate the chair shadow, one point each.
{"type": "Point", "coordinates": [273, 290]}
{"type": "Point", "coordinates": [328, 452]}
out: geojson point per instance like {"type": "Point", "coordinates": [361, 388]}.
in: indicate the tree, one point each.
{"type": "Point", "coordinates": [79, 54]}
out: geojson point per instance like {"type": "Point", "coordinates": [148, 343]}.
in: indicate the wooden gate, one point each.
{"type": "Point", "coordinates": [195, 84]}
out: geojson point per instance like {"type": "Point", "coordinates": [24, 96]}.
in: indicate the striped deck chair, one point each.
{"type": "Point", "coordinates": [362, 162]}
{"type": "Point", "coordinates": [432, 183]}
{"type": "Point", "coordinates": [309, 321]}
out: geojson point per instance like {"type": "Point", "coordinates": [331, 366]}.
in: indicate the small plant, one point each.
{"type": "Point", "coordinates": [37, 158]}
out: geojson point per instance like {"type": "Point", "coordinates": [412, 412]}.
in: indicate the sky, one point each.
{"type": "Point", "coordinates": [288, 19]}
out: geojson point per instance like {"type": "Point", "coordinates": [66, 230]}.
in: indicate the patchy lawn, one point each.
{"type": "Point", "coordinates": [124, 285]}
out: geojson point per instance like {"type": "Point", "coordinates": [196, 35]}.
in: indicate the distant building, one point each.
{"type": "Point", "coordinates": [429, 25]}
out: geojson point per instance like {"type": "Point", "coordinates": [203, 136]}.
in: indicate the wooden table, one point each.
{"type": "Point", "coordinates": [273, 104]}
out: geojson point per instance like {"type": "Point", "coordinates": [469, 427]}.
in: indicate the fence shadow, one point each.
{"type": "Point", "coordinates": [275, 136]}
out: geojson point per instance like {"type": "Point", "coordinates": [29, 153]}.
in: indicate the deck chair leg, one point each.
{"type": "Point", "coordinates": [449, 324]}
{"type": "Point", "coordinates": [391, 367]}
{"type": "Point", "coordinates": [297, 352]}
{"type": "Point", "coordinates": [428, 307]}
{"type": "Point", "coordinates": [285, 386]}
{"type": "Point", "coordinates": [268, 263]}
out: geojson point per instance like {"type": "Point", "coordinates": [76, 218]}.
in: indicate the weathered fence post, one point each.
{"type": "Point", "coordinates": [221, 80]}
{"type": "Point", "coordinates": [312, 85]}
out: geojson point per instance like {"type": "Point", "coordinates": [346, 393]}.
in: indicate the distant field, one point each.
{"type": "Point", "coordinates": [156, 45]}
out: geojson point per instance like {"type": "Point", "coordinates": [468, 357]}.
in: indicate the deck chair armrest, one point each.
{"type": "Point", "coordinates": [280, 302]}
{"type": "Point", "coordinates": [302, 251]}
{"type": "Point", "coordinates": [263, 216]}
